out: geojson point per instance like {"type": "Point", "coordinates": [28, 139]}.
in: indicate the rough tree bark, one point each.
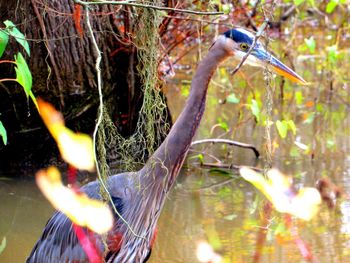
{"type": "Point", "coordinates": [62, 64]}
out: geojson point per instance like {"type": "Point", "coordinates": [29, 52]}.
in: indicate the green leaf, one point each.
{"type": "Point", "coordinates": [298, 2]}
{"type": "Point", "coordinates": [311, 44]}
{"type": "Point", "coordinates": [282, 128]}
{"type": "Point", "coordinates": [294, 152]}
{"type": "Point", "coordinates": [3, 133]}
{"type": "Point", "coordinates": [4, 39]}
{"type": "Point", "coordinates": [226, 8]}
{"type": "Point", "coordinates": [292, 126]}
{"type": "Point", "coordinates": [332, 53]}
{"type": "Point", "coordinates": [319, 107]}
{"type": "Point", "coordinates": [254, 107]}
{"type": "Point", "coordinates": [223, 124]}
{"type": "Point", "coordinates": [331, 6]}
{"type": "Point", "coordinates": [224, 192]}
{"type": "Point", "coordinates": [330, 143]}
{"type": "Point", "coordinates": [31, 95]}
{"type": "Point", "coordinates": [232, 98]}
{"type": "Point", "coordinates": [20, 38]}
{"type": "Point", "coordinates": [2, 245]}
{"type": "Point", "coordinates": [24, 77]}
{"type": "Point", "coordinates": [281, 229]}
{"type": "Point", "coordinates": [200, 157]}
{"type": "Point", "coordinates": [185, 88]}
{"type": "Point", "coordinates": [299, 98]}
{"type": "Point", "coordinates": [312, 3]}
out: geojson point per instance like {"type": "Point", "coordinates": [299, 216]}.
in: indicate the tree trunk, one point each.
{"type": "Point", "coordinates": [62, 63]}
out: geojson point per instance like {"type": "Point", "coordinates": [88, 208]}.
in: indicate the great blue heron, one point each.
{"type": "Point", "coordinates": [139, 196]}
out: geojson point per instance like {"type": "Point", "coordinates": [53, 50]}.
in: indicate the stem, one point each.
{"type": "Point", "coordinates": [7, 61]}
{"type": "Point", "coordinates": [2, 80]}
{"type": "Point", "coordinates": [160, 8]}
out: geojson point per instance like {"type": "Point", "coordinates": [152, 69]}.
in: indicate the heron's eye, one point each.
{"type": "Point", "coordinates": [244, 46]}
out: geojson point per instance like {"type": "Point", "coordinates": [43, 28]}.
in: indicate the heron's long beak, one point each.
{"type": "Point", "coordinates": [278, 66]}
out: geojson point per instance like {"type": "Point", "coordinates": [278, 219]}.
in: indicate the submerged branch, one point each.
{"type": "Point", "coordinates": [229, 142]}
{"type": "Point", "coordinates": [211, 186]}
{"type": "Point", "coordinates": [229, 166]}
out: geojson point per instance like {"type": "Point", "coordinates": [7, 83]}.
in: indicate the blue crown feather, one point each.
{"type": "Point", "coordinates": [240, 35]}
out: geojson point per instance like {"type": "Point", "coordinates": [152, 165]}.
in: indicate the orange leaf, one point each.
{"type": "Point", "coordinates": [309, 104]}
{"type": "Point", "coordinates": [75, 148]}
{"type": "Point", "coordinates": [81, 209]}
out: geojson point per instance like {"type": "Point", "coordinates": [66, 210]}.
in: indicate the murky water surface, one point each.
{"type": "Point", "coordinates": [222, 208]}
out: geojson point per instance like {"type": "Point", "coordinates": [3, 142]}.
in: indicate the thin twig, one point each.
{"type": "Point", "coordinates": [256, 38]}
{"type": "Point", "coordinates": [229, 142]}
{"type": "Point", "coordinates": [3, 80]}
{"type": "Point", "coordinates": [7, 61]}
{"type": "Point", "coordinates": [160, 8]}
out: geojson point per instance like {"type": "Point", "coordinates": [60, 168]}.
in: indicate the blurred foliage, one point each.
{"type": "Point", "coordinates": [310, 36]}
{"type": "Point", "coordinates": [309, 125]}
{"type": "Point", "coordinates": [3, 245]}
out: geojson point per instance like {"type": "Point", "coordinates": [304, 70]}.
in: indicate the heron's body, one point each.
{"type": "Point", "coordinates": [140, 195]}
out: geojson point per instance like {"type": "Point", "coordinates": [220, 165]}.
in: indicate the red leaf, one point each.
{"type": "Point", "coordinates": [77, 19]}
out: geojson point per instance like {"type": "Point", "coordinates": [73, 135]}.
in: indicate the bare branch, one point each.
{"type": "Point", "coordinates": [159, 8]}
{"type": "Point", "coordinates": [229, 142]}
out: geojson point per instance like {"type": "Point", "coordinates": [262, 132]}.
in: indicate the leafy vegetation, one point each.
{"type": "Point", "coordinates": [308, 126]}
{"type": "Point", "coordinates": [23, 74]}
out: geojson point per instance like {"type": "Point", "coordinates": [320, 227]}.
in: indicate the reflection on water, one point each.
{"type": "Point", "coordinates": [23, 214]}
{"type": "Point", "coordinates": [203, 206]}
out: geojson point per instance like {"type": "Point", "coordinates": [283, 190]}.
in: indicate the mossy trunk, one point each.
{"type": "Point", "coordinates": [62, 63]}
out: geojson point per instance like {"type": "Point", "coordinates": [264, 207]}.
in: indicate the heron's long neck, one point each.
{"type": "Point", "coordinates": [155, 179]}
{"type": "Point", "coordinates": [172, 152]}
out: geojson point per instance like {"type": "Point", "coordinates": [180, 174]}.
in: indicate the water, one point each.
{"type": "Point", "coordinates": [23, 214]}
{"type": "Point", "coordinates": [202, 206]}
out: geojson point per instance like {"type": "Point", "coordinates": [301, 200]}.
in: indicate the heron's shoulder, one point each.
{"type": "Point", "coordinates": [119, 186]}
{"type": "Point", "coordinates": [122, 185]}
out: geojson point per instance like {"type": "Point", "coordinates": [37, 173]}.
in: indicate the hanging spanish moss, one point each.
{"type": "Point", "coordinates": [119, 154]}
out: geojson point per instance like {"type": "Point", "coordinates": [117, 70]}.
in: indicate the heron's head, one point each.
{"type": "Point", "coordinates": [238, 41]}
